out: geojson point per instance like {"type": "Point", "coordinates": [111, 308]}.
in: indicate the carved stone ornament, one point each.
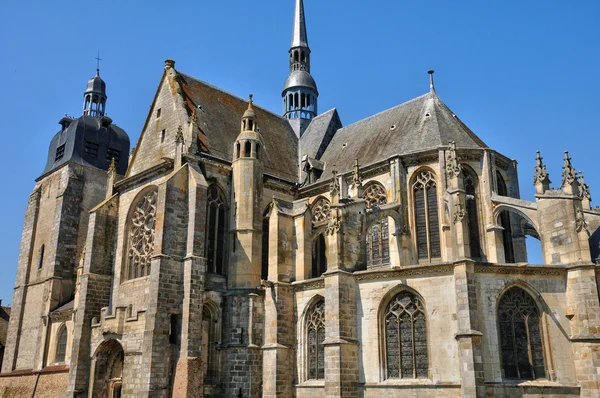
{"type": "Point", "coordinates": [569, 176]}
{"type": "Point", "coordinates": [375, 195]}
{"type": "Point", "coordinates": [112, 168]}
{"type": "Point", "coordinates": [356, 180]}
{"type": "Point", "coordinates": [540, 176]}
{"type": "Point", "coordinates": [334, 186]}
{"type": "Point", "coordinates": [193, 117]}
{"type": "Point", "coordinates": [334, 223]}
{"type": "Point", "coordinates": [459, 213]}
{"type": "Point", "coordinates": [584, 188]}
{"type": "Point", "coordinates": [179, 136]}
{"type": "Point", "coordinates": [321, 210]}
{"type": "Point", "coordinates": [580, 223]}
{"type": "Point", "coordinates": [453, 168]}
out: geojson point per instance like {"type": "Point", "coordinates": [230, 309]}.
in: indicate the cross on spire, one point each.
{"type": "Point", "coordinates": [98, 59]}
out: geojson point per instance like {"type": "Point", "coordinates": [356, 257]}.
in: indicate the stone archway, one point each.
{"type": "Point", "coordinates": [107, 370]}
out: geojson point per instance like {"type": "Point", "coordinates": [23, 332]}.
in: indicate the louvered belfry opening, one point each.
{"type": "Point", "coordinates": [406, 337]}
{"type": "Point", "coordinates": [426, 216]}
{"type": "Point", "coordinates": [520, 336]}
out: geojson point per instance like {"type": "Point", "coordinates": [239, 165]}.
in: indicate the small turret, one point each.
{"type": "Point", "coordinates": [249, 143]}
{"type": "Point", "coordinates": [94, 98]}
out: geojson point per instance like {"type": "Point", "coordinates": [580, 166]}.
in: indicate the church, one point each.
{"type": "Point", "coordinates": [237, 252]}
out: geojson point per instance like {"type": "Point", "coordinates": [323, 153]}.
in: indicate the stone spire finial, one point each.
{"type": "Point", "coordinates": [179, 137]}
{"type": "Point", "coordinates": [541, 178]}
{"type": "Point", "coordinates": [112, 168]}
{"type": "Point", "coordinates": [584, 192]}
{"type": "Point", "coordinates": [111, 176]}
{"type": "Point", "coordinates": [356, 181]}
{"type": "Point", "coordinates": [453, 168]}
{"type": "Point", "coordinates": [569, 176]}
{"type": "Point", "coordinates": [193, 117]}
{"type": "Point", "coordinates": [431, 86]}
{"type": "Point", "coordinates": [169, 63]}
{"type": "Point", "coordinates": [334, 187]}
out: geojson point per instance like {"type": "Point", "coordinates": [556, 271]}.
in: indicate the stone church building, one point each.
{"type": "Point", "coordinates": [236, 252]}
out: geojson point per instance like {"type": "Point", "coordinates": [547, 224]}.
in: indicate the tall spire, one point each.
{"type": "Point", "coordinates": [300, 90]}
{"type": "Point", "coordinates": [299, 37]}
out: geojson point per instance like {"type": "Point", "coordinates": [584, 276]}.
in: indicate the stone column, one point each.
{"type": "Point", "coordinates": [341, 345]}
{"type": "Point", "coordinates": [470, 347]}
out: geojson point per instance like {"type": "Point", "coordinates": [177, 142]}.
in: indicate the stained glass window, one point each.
{"type": "Point", "coordinates": [141, 236]}
{"type": "Point", "coordinates": [61, 346]}
{"type": "Point", "coordinates": [378, 243]}
{"type": "Point", "coordinates": [216, 230]}
{"type": "Point", "coordinates": [520, 336]}
{"type": "Point", "coordinates": [426, 216]}
{"type": "Point", "coordinates": [315, 335]}
{"type": "Point", "coordinates": [406, 338]}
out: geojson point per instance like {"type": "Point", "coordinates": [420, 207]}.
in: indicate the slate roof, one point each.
{"type": "Point", "coordinates": [417, 125]}
{"type": "Point", "coordinates": [219, 119]}
{"type": "Point", "coordinates": [107, 139]}
{"type": "Point", "coordinates": [318, 134]}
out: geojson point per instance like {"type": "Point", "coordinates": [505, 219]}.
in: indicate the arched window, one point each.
{"type": "Point", "coordinates": [61, 345]}
{"type": "Point", "coordinates": [378, 242]}
{"type": "Point", "coordinates": [426, 215]}
{"type": "Point", "coordinates": [405, 337]}
{"type": "Point", "coordinates": [520, 336]}
{"type": "Point", "coordinates": [210, 340]}
{"type": "Point", "coordinates": [470, 184]}
{"type": "Point", "coordinates": [502, 190]}
{"type": "Point", "coordinates": [140, 245]}
{"type": "Point", "coordinates": [247, 149]}
{"type": "Point", "coordinates": [237, 150]}
{"type": "Point", "coordinates": [315, 335]}
{"type": "Point", "coordinates": [319, 257]}
{"type": "Point", "coordinates": [265, 244]}
{"type": "Point", "coordinates": [507, 236]}
{"type": "Point", "coordinates": [216, 228]}
{"type": "Point", "coordinates": [41, 257]}
{"type": "Point", "coordinates": [321, 210]}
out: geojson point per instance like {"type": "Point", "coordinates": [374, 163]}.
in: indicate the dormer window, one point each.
{"type": "Point", "coordinates": [60, 152]}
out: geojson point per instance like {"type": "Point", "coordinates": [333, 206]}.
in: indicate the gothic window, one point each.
{"type": "Point", "coordinates": [265, 244]}
{"type": "Point", "coordinates": [61, 345]}
{"type": "Point", "coordinates": [320, 210]}
{"type": "Point", "coordinates": [141, 236]}
{"type": "Point", "coordinates": [405, 337]}
{"type": "Point", "coordinates": [216, 228]}
{"type": "Point", "coordinates": [470, 184]}
{"type": "Point", "coordinates": [210, 340]}
{"type": "Point", "coordinates": [520, 336]}
{"type": "Point", "coordinates": [426, 215]}
{"type": "Point", "coordinates": [319, 258]}
{"type": "Point", "coordinates": [315, 335]}
{"type": "Point", "coordinates": [375, 195]}
{"type": "Point", "coordinates": [378, 244]}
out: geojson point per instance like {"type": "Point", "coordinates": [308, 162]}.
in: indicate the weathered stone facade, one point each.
{"type": "Point", "coordinates": [245, 254]}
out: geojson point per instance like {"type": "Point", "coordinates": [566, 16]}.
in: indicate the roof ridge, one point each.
{"type": "Point", "coordinates": [387, 110]}
{"type": "Point", "coordinates": [231, 94]}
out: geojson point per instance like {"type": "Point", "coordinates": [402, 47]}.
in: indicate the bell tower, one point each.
{"type": "Point", "coordinates": [300, 90]}
{"type": "Point", "coordinates": [94, 98]}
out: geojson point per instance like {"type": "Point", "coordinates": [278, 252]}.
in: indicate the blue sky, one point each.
{"type": "Point", "coordinates": [520, 74]}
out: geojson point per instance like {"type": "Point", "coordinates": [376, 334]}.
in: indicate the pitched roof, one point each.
{"type": "Point", "coordinates": [318, 134]}
{"type": "Point", "coordinates": [219, 115]}
{"type": "Point", "coordinates": [417, 125]}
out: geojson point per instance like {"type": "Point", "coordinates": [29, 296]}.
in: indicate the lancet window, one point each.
{"type": "Point", "coordinates": [520, 336]}
{"type": "Point", "coordinates": [319, 257]}
{"type": "Point", "coordinates": [406, 337]}
{"type": "Point", "coordinates": [321, 210]}
{"type": "Point", "coordinates": [426, 215]}
{"type": "Point", "coordinates": [378, 242]}
{"type": "Point", "coordinates": [210, 341]}
{"type": "Point", "coordinates": [470, 184]}
{"type": "Point", "coordinates": [315, 335]}
{"type": "Point", "coordinates": [61, 345]}
{"type": "Point", "coordinates": [141, 236]}
{"type": "Point", "coordinates": [505, 223]}
{"type": "Point", "coordinates": [216, 230]}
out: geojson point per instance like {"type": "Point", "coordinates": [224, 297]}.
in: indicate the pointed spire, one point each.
{"type": "Point", "coordinates": [112, 168]}
{"type": "Point", "coordinates": [569, 175]}
{"type": "Point", "coordinates": [540, 178]}
{"type": "Point", "coordinates": [299, 37]}
{"type": "Point", "coordinates": [431, 86]}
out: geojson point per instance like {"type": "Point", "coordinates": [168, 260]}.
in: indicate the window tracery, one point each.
{"type": "Point", "coordinates": [321, 210]}
{"type": "Point", "coordinates": [406, 337]}
{"type": "Point", "coordinates": [375, 195]}
{"type": "Point", "coordinates": [141, 236]}
{"type": "Point", "coordinates": [426, 215]}
{"type": "Point", "coordinates": [216, 227]}
{"type": "Point", "coordinates": [520, 336]}
{"type": "Point", "coordinates": [315, 335]}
